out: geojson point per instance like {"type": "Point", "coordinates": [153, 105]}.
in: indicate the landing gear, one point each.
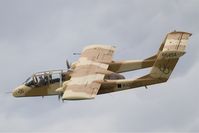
{"type": "Point", "coordinates": [60, 96]}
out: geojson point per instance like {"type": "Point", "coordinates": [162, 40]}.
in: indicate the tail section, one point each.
{"type": "Point", "coordinates": [166, 59]}
{"type": "Point", "coordinates": [169, 53]}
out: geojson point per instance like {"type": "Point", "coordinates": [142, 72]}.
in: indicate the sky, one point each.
{"type": "Point", "coordinates": [37, 35]}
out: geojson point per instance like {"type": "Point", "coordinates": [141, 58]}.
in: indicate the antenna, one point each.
{"type": "Point", "coordinates": [76, 53]}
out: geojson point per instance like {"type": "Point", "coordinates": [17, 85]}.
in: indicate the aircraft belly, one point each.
{"type": "Point", "coordinates": [107, 89]}
{"type": "Point", "coordinates": [41, 91]}
{"type": "Point", "coordinates": [44, 91]}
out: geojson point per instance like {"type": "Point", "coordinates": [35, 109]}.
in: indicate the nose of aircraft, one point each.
{"type": "Point", "coordinates": [14, 93]}
{"type": "Point", "coordinates": [20, 91]}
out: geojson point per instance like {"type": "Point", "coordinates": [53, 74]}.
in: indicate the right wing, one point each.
{"type": "Point", "coordinates": [98, 53]}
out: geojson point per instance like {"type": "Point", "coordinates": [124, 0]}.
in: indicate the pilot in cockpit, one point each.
{"type": "Point", "coordinates": [41, 81]}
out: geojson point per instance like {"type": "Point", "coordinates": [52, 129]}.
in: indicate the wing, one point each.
{"type": "Point", "coordinates": [90, 68]}
{"type": "Point", "coordinates": [98, 53]}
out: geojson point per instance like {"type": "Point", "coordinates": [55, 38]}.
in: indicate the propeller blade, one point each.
{"type": "Point", "coordinates": [68, 64]}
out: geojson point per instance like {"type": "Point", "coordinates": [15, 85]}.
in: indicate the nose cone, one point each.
{"type": "Point", "coordinates": [20, 91]}
{"type": "Point", "coordinates": [14, 93]}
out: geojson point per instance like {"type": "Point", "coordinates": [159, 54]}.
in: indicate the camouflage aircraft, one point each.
{"type": "Point", "coordinates": [96, 73]}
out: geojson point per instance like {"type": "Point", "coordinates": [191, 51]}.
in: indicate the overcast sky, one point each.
{"type": "Point", "coordinates": [37, 35]}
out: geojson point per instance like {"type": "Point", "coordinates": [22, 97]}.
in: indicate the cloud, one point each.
{"type": "Point", "coordinates": [40, 35]}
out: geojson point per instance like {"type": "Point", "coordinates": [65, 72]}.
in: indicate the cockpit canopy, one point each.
{"type": "Point", "coordinates": [46, 78]}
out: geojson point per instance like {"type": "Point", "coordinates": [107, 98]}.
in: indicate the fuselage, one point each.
{"type": "Point", "coordinates": [46, 84]}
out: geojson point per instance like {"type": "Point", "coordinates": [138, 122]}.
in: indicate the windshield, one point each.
{"type": "Point", "coordinates": [46, 78]}
{"type": "Point", "coordinates": [29, 81]}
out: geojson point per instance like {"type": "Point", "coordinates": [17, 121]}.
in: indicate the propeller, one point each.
{"type": "Point", "coordinates": [76, 53]}
{"type": "Point", "coordinates": [68, 64]}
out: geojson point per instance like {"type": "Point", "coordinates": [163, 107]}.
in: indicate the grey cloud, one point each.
{"type": "Point", "coordinates": [40, 35]}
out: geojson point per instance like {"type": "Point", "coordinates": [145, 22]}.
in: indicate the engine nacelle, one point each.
{"type": "Point", "coordinates": [114, 76]}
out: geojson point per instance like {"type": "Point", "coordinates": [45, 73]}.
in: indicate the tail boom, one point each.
{"type": "Point", "coordinates": [166, 59]}
{"type": "Point", "coordinates": [130, 65]}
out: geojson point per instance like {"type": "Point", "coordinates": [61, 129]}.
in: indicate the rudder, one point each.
{"type": "Point", "coordinates": [169, 53]}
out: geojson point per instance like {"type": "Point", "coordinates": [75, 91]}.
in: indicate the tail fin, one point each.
{"type": "Point", "coordinates": [169, 53]}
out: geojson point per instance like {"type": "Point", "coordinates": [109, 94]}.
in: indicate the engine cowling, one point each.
{"type": "Point", "coordinates": [114, 76]}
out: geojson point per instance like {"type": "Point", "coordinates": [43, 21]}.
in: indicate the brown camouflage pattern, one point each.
{"type": "Point", "coordinates": [96, 73]}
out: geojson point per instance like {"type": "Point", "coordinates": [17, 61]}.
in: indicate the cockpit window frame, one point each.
{"type": "Point", "coordinates": [46, 76]}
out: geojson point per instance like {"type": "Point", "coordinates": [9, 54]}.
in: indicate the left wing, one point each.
{"type": "Point", "coordinates": [91, 67]}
